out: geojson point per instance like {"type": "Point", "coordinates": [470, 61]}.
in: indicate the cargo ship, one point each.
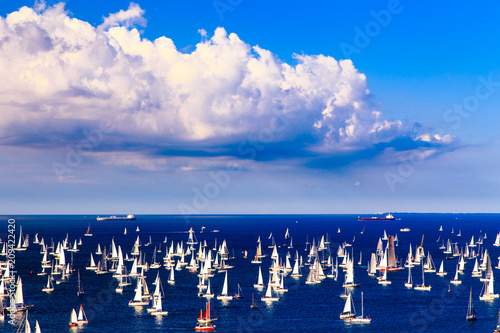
{"type": "Point", "coordinates": [388, 217]}
{"type": "Point", "coordinates": [129, 217]}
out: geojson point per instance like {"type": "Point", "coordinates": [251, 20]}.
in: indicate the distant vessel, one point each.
{"type": "Point", "coordinates": [404, 229]}
{"type": "Point", "coordinates": [471, 314]}
{"type": "Point", "coordinates": [204, 321]}
{"type": "Point", "coordinates": [377, 218]}
{"type": "Point", "coordinates": [78, 320]}
{"type": "Point", "coordinates": [88, 233]}
{"type": "Point", "coordinates": [129, 217]}
{"type": "Point", "coordinates": [349, 311]}
{"type": "Point", "coordinates": [361, 319]}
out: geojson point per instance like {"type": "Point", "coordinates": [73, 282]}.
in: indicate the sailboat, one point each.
{"type": "Point", "coordinates": [349, 276]}
{"type": "Point", "coordinates": [349, 311]}
{"type": "Point", "coordinates": [238, 293]}
{"type": "Point", "coordinates": [253, 305]}
{"type": "Point", "coordinates": [204, 321]}
{"type": "Point", "coordinates": [224, 295]}
{"type": "Point", "coordinates": [488, 290]}
{"type": "Point", "coordinates": [260, 280]}
{"type": "Point", "coordinates": [383, 280]}
{"type": "Point", "coordinates": [471, 314]}
{"type": "Point", "coordinates": [497, 240]}
{"type": "Point", "coordinates": [80, 286]}
{"type": "Point", "coordinates": [78, 320]}
{"type": "Point", "coordinates": [138, 297]}
{"type": "Point", "coordinates": [19, 298]}
{"type": "Point", "coordinates": [82, 318]}
{"type": "Point", "coordinates": [208, 293]}
{"type": "Point", "coordinates": [441, 271]}
{"type": "Point", "coordinates": [171, 278]}
{"type": "Point", "coordinates": [88, 234]}
{"type": "Point", "coordinates": [422, 286]}
{"type": "Point", "coordinates": [158, 302]}
{"type": "Point", "coordinates": [50, 286]}
{"type": "Point", "coordinates": [455, 279]}
{"type": "Point", "coordinates": [268, 297]}
{"type": "Point", "coordinates": [361, 319]}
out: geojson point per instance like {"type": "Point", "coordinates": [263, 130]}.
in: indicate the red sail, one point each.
{"type": "Point", "coordinates": [201, 314]}
{"type": "Point", "coordinates": [207, 311]}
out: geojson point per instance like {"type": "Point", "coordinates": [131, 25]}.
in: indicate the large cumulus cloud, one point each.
{"type": "Point", "coordinates": [61, 74]}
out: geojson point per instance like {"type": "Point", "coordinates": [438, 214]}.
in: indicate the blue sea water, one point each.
{"type": "Point", "coordinates": [305, 308]}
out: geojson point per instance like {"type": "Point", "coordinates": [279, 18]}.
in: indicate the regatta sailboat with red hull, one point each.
{"type": "Point", "coordinates": [205, 321]}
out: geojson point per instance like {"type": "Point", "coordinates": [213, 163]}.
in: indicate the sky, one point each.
{"type": "Point", "coordinates": [248, 107]}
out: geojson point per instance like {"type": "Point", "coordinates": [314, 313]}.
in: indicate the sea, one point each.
{"type": "Point", "coordinates": [304, 308]}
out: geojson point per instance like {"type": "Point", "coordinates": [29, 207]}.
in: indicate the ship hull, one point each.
{"type": "Point", "coordinates": [116, 218]}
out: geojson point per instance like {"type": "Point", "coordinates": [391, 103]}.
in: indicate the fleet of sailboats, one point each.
{"type": "Point", "coordinates": [318, 258]}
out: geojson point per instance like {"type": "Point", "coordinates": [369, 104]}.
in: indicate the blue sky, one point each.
{"type": "Point", "coordinates": [203, 107]}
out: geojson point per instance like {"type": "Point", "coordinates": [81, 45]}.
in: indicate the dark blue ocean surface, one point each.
{"type": "Point", "coordinates": [304, 308]}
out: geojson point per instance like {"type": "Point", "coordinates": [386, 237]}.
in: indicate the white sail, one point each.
{"type": "Point", "coordinates": [349, 277]}
{"type": "Point", "coordinates": [224, 287]}
{"type": "Point", "coordinates": [138, 291]}
{"type": "Point", "coordinates": [62, 258]}
{"type": "Point", "coordinates": [2, 288]}
{"type": "Point", "coordinates": [114, 252]}
{"type": "Point", "coordinates": [373, 264]}
{"type": "Point", "coordinates": [20, 243]}
{"type": "Point", "coordinates": [209, 290]}
{"type": "Point", "coordinates": [497, 240]}
{"type": "Point", "coordinates": [296, 271]}
{"type": "Point", "coordinates": [80, 315]}
{"type": "Point", "coordinates": [158, 307]}
{"type": "Point", "coordinates": [74, 318]}
{"type": "Point", "coordinates": [347, 306]}
{"type": "Point", "coordinates": [19, 299]}
{"type": "Point", "coordinates": [441, 267]}
{"type": "Point", "coordinates": [133, 270]}
{"type": "Point", "coordinates": [171, 278]}
{"type": "Point", "coordinates": [274, 255]}
{"type": "Point", "coordinates": [37, 327]}
{"type": "Point", "coordinates": [491, 290]}
{"type": "Point", "coordinates": [260, 280]}
{"type": "Point", "coordinates": [27, 327]}
{"type": "Point", "coordinates": [268, 291]}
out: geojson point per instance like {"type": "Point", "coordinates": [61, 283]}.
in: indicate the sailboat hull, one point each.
{"type": "Point", "coordinates": [222, 297]}
{"type": "Point", "coordinates": [361, 320]}
{"type": "Point", "coordinates": [159, 313]}
{"type": "Point", "coordinates": [347, 315]}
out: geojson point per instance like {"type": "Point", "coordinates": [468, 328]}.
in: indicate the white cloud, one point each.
{"type": "Point", "coordinates": [60, 74]}
{"type": "Point", "coordinates": [128, 18]}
